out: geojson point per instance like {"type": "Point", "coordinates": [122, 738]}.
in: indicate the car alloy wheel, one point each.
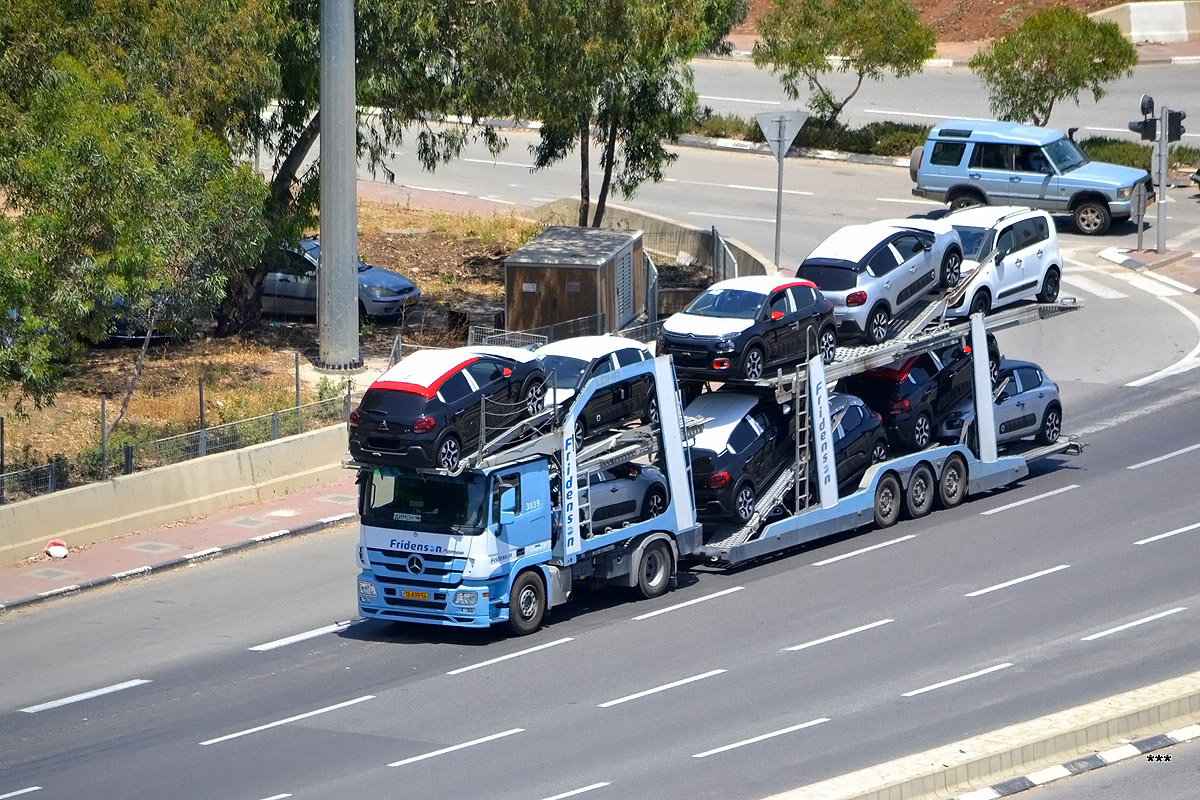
{"type": "Point", "coordinates": [877, 326]}
{"type": "Point", "coordinates": [744, 502]}
{"type": "Point", "coordinates": [752, 366]}
{"type": "Point", "coordinates": [1051, 426]}
{"type": "Point", "coordinates": [449, 453]}
{"type": "Point", "coordinates": [828, 345]}
{"type": "Point", "coordinates": [951, 269]}
{"type": "Point", "coordinates": [920, 431]}
{"type": "Point", "coordinates": [535, 398]}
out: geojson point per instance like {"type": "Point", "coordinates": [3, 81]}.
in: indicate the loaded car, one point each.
{"type": "Point", "coordinates": [1009, 253]}
{"type": "Point", "coordinates": [292, 288]}
{"type": "Point", "coordinates": [626, 493]}
{"type": "Point", "coordinates": [873, 272]}
{"type": "Point", "coordinates": [741, 327]}
{"type": "Point", "coordinates": [1027, 403]}
{"type": "Point", "coordinates": [434, 406]}
{"type": "Point", "coordinates": [981, 162]}
{"type": "Point", "coordinates": [859, 440]}
{"type": "Point", "coordinates": [914, 396]}
{"type": "Point", "coordinates": [746, 442]}
{"type": "Point", "coordinates": [571, 363]}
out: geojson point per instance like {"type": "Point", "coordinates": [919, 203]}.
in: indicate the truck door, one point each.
{"type": "Point", "coordinates": [530, 523]}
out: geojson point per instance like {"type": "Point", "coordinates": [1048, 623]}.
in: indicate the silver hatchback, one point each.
{"type": "Point", "coordinates": [1027, 403]}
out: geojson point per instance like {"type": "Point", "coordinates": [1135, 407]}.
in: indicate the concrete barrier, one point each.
{"type": "Point", "coordinates": [1172, 21]}
{"type": "Point", "coordinates": [100, 511]}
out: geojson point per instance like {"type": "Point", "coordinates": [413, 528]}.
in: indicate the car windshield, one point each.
{"type": "Point", "coordinates": [1065, 154]}
{"type": "Point", "coordinates": [417, 501]}
{"type": "Point", "coordinates": [976, 242]}
{"type": "Point", "coordinates": [563, 372]}
{"type": "Point", "coordinates": [731, 303]}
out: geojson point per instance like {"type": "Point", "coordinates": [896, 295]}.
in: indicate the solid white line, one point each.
{"type": "Point", "coordinates": [20, 792]}
{"type": "Point", "coordinates": [1015, 581]}
{"type": "Point", "coordinates": [496, 163]}
{"type": "Point", "coordinates": [959, 679]}
{"type": "Point", "coordinates": [1169, 281]}
{"type": "Point", "coordinates": [689, 603]}
{"type": "Point", "coordinates": [300, 637]}
{"type": "Point", "coordinates": [741, 100]}
{"type": "Point", "coordinates": [1188, 362]}
{"type": "Point", "coordinates": [1136, 622]}
{"type": "Point", "coordinates": [1168, 533]}
{"type": "Point", "coordinates": [1172, 454]}
{"type": "Point", "coordinates": [914, 200]}
{"type": "Point", "coordinates": [277, 797]}
{"type": "Point", "coordinates": [1029, 500]}
{"type": "Point", "coordinates": [765, 736]}
{"type": "Point", "coordinates": [574, 792]}
{"type": "Point", "coordinates": [850, 632]}
{"type": "Point", "coordinates": [75, 698]}
{"type": "Point", "coordinates": [1119, 753]}
{"type": "Point", "coordinates": [662, 688]}
{"type": "Point", "coordinates": [864, 550]}
{"type": "Point", "coordinates": [1048, 774]}
{"type": "Point", "coordinates": [914, 114]}
{"type": "Point", "coordinates": [498, 659]}
{"type": "Point", "coordinates": [1092, 287]}
{"type": "Point", "coordinates": [452, 748]}
{"type": "Point", "coordinates": [459, 192]}
{"type": "Point", "coordinates": [728, 216]}
{"type": "Point", "coordinates": [276, 724]}
{"type": "Point", "coordinates": [1146, 285]}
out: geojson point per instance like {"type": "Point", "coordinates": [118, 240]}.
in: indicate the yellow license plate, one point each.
{"type": "Point", "coordinates": [409, 595]}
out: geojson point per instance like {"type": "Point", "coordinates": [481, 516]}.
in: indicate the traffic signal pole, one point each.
{"type": "Point", "coordinates": [1162, 162]}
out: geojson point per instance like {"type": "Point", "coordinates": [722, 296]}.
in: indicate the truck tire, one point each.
{"type": "Point", "coordinates": [527, 603]}
{"type": "Point", "coordinates": [952, 487]}
{"type": "Point", "coordinates": [654, 573]}
{"type": "Point", "coordinates": [887, 501]}
{"type": "Point", "coordinates": [918, 499]}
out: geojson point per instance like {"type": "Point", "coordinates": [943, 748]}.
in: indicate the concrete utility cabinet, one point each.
{"type": "Point", "coordinates": [566, 274]}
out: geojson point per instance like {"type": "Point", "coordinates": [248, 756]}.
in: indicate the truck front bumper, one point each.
{"type": "Point", "coordinates": [393, 602]}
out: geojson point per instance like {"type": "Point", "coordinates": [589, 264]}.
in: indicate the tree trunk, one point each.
{"type": "Point", "coordinates": [155, 312]}
{"type": "Point", "coordinates": [585, 184]}
{"type": "Point", "coordinates": [610, 150]}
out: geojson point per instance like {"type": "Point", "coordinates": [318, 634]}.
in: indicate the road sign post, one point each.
{"type": "Point", "coordinates": [1161, 170]}
{"type": "Point", "coordinates": [780, 128]}
{"type": "Point", "coordinates": [1137, 209]}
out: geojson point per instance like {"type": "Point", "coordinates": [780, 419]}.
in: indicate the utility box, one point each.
{"type": "Point", "coordinates": [576, 281]}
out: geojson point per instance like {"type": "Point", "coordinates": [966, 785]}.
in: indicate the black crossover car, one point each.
{"type": "Point", "coordinates": [435, 405]}
{"type": "Point", "coordinates": [743, 447]}
{"type": "Point", "coordinates": [570, 364]}
{"type": "Point", "coordinates": [915, 395]}
{"type": "Point", "coordinates": [741, 327]}
{"type": "Point", "coordinates": [859, 440]}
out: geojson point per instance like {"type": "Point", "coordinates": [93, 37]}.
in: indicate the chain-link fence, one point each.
{"type": "Point", "coordinates": [102, 462]}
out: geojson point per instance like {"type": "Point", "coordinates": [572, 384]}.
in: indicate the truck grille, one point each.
{"type": "Point", "coordinates": [436, 571]}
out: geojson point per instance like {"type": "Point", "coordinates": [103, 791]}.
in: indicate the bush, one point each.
{"type": "Point", "coordinates": [1135, 154]}
{"type": "Point", "coordinates": [726, 126]}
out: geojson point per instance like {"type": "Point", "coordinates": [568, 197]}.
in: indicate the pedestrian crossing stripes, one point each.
{"type": "Point", "coordinates": [1089, 286]}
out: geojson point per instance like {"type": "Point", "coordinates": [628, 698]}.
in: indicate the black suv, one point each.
{"type": "Point", "coordinates": [859, 440]}
{"type": "Point", "coordinates": [435, 405]}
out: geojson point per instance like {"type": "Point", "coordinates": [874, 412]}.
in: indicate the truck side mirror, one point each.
{"type": "Point", "coordinates": [508, 505]}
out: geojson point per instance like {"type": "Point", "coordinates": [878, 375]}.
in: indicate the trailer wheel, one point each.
{"type": "Point", "coordinates": [654, 573]}
{"type": "Point", "coordinates": [887, 501]}
{"type": "Point", "coordinates": [527, 603]}
{"type": "Point", "coordinates": [952, 488]}
{"type": "Point", "coordinates": [921, 488]}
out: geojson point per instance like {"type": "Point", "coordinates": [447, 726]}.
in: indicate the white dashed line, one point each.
{"type": "Point", "coordinates": [687, 603]}
{"type": "Point", "coordinates": [663, 688]}
{"type": "Point", "coordinates": [1168, 533]}
{"type": "Point", "coordinates": [75, 698]}
{"type": "Point", "coordinates": [575, 792]}
{"type": "Point", "coordinates": [832, 637]}
{"type": "Point", "coordinates": [953, 681]}
{"type": "Point", "coordinates": [453, 748]}
{"type": "Point", "coordinates": [296, 718]}
{"type": "Point", "coordinates": [1160, 459]}
{"type": "Point", "coordinates": [1029, 500]}
{"type": "Point", "coordinates": [498, 659]}
{"type": "Point", "coordinates": [1015, 581]}
{"type": "Point", "coordinates": [764, 737]}
{"type": "Point", "coordinates": [1135, 623]}
{"type": "Point", "coordinates": [20, 792]}
{"type": "Point", "coordinates": [300, 637]}
{"type": "Point", "coordinates": [740, 100]}
{"type": "Point", "coordinates": [864, 550]}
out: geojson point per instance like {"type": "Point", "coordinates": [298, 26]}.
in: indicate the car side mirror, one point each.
{"type": "Point", "coordinates": [776, 315]}
{"type": "Point", "coordinates": [508, 506]}
{"type": "Point", "coordinates": [999, 257]}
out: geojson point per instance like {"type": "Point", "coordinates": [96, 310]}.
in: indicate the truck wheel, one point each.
{"type": "Point", "coordinates": [654, 573]}
{"type": "Point", "coordinates": [921, 487]}
{"type": "Point", "coordinates": [1051, 426]}
{"type": "Point", "coordinates": [527, 603]}
{"type": "Point", "coordinates": [1092, 217]}
{"type": "Point", "coordinates": [449, 452]}
{"type": "Point", "coordinates": [952, 488]}
{"type": "Point", "coordinates": [1050, 283]}
{"type": "Point", "coordinates": [887, 501]}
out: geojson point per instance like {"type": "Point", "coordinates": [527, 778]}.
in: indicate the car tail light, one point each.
{"type": "Point", "coordinates": [856, 299]}
{"type": "Point", "coordinates": [424, 424]}
{"type": "Point", "coordinates": [718, 480]}
{"type": "Point", "coordinates": [354, 417]}
{"type": "Point", "coordinates": [899, 406]}
{"type": "Point", "coordinates": [879, 416]}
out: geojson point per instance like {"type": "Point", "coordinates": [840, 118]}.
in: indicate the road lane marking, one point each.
{"type": "Point", "coordinates": [729, 216]}
{"type": "Point", "coordinates": [850, 632]}
{"type": "Point", "coordinates": [740, 100]}
{"type": "Point", "coordinates": [1042, 496]}
{"type": "Point", "coordinates": [915, 114]}
{"type": "Point", "coordinates": [1172, 454]}
{"type": "Point", "coordinates": [864, 550]}
{"type": "Point", "coordinates": [742, 186]}
{"type": "Point", "coordinates": [277, 797]}
{"type": "Point", "coordinates": [498, 659]}
{"type": "Point", "coordinates": [689, 603]}
{"type": "Point", "coordinates": [20, 792]}
{"type": "Point", "coordinates": [300, 637]}
{"type": "Point", "coordinates": [455, 747]}
{"type": "Point", "coordinates": [1092, 287]}
{"type": "Point", "coordinates": [75, 698]}
{"type": "Point", "coordinates": [1168, 533]}
{"type": "Point", "coordinates": [574, 792]}
{"type": "Point", "coordinates": [296, 718]}
{"type": "Point", "coordinates": [1188, 362]}
{"type": "Point", "coordinates": [1174, 401]}
{"type": "Point", "coordinates": [764, 737]}
{"type": "Point", "coordinates": [913, 200]}
{"type": "Point", "coordinates": [953, 681]}
{"type": "Point", "coordinates": [1015, 581]}
{"type": "Point", "coordinates": [1146, 285]}
{"type": "Point", "coordinates": [1136, 622]}
{"type": "Point", "coordinates": [662, 688]}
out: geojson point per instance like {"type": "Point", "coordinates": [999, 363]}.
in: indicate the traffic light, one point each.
{"type": "Point", "coordinates": [1175, 127]}
{"type": "Point", "coordinates": [1146, 128]}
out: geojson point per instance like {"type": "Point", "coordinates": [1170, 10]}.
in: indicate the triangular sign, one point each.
{"type": "Point", "coordinates": [781, 140]}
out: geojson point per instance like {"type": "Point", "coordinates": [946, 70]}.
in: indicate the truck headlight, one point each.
{"type": "Point", "coordinates": [366, 589]}
{"type": "Point", "coordinates": [462, 598]}
{"type": "Point", "coordinates": [1123, 193]}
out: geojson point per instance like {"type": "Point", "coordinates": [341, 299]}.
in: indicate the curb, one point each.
{"type": "Point", "coordinates": [962, 63]}
{"type": "Point", "coordinates": [179, 561]}
{"type": "Point", "coordinates": [1124, 259]}
{"type": "Point", "coordinates": [1085, 764]}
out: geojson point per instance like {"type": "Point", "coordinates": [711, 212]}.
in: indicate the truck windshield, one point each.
{"type": "Point", "coordinates": [1065, 154]}
{"type": "Point", "coordinates": [419, 501]}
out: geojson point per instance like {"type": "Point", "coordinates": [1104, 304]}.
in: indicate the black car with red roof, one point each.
{"type": "Point", "coordinates": [434, 406]}
{"type": "Point", "coordinates": [742, 327]}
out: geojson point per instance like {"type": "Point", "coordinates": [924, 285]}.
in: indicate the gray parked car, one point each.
{"type": "Point", "coordinates": [1027, 403]}
{"type": "Point", "coordinates": [381, 293]}
{"type": "Point", "coordinates": [873, 272]}
{"type": "Point", "coordinates": [626, 493]}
